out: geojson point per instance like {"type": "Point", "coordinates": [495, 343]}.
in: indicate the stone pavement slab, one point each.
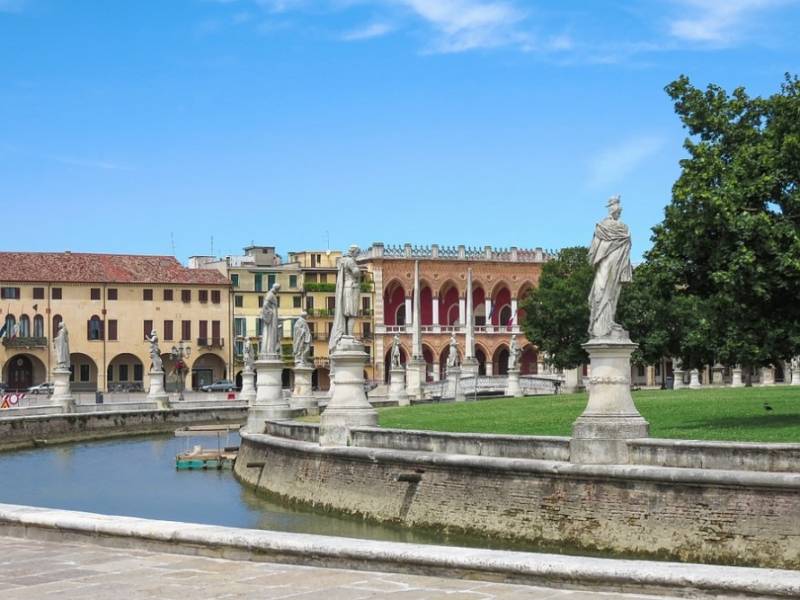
{"type": "Point", "coordinates": [42, 570]}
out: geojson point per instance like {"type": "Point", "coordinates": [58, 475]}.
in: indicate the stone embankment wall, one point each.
{"type": "Point", "coordinates": [689, 514]}
{"type": "Point", "coordinates": [22, 432]}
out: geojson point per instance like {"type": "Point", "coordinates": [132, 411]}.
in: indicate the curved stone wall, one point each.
{"type": "Point", "coordinates": [700, 515]}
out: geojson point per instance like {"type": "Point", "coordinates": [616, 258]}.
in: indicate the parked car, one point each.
{"type": "Point", "coordinates": [223, 385]}
{"type": "Point", "coordinates": [42, 388]}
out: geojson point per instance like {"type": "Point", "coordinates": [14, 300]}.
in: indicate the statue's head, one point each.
{"type": "Point", "coordinates": [152, 333]}
{"type": "Point", "coordinates": [276, 287]}
{"type": "Point", "coordinates": [396, 338]}
{"type": "Point", "coordinates": [303, 314]}
{"type": "Point", "coordinates": [354, 250]}
{"type": "Point", "coordinates": [614, 206]}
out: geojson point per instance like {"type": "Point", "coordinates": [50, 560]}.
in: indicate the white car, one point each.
{"type": "Point", "coordinates": [42, 388]}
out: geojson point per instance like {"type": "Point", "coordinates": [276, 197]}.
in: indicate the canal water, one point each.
{"type": "Point", "coordinates": [137, 477]}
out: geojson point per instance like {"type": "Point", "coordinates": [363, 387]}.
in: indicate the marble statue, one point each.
{"type": "Point", "coordinates": [247, 357]}
{"type": "Point", "coordinates": [61, 347]}
{"type": "Point", "coordinates": [396, 352]}
{"type": "Point", "coordinates": [610, 256]}
{"type": "Point", "coordinates": [513, 353]}
{"type": "Point", "coordinates": [348, 296]}
{"type": "Point", "coordinates": [452, 354]}
{"type": "Point", "coordinates": [301, 341]}
{"type": "Point", "coordinates": [155, 351]}
{"type": "Point", "coordinates": [795, 363]}
{"type": "Point", "coordinates": [270, 325]}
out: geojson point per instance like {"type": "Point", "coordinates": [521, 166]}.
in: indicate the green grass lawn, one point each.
{"type": "Point", "coordinates": [713, 414]}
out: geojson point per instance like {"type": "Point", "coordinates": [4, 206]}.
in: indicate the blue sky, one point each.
{"type": "Point", "coordinates": [130, 126]}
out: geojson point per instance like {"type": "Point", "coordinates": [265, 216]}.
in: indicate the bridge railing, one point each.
{"type": "Point", "coordinates": [495, 384]}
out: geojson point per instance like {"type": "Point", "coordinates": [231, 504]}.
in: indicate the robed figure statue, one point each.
{"type": "Point", "coordinates": [610, 256]}
{"type": "Point", "coordinates": [348, 295]}
{"type": "Point", "coordinates": [452, 352]}
{"type": "Point", "coordinates": [301, 341]}
{"type": "Point", "coordinates": [155, 352]}
{"type": "Point", "coordinates": [247, 356]}
{"type": "Point", "coordinates": [270, 326]}
{"type": "Point", "coordinates": [514, 353]}
{"type": "Point", "coordinates": [61, 347]}
{"type": "Point", "coordinates": [396, 357]}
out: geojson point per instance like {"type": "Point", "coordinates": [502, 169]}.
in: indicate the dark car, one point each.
{"type": "Point", "coordinates": [223, 385]}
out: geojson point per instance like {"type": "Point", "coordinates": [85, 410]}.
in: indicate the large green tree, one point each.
{"type": "Point", "coordinates": [729, 247]}
{"type": "Point", "coordinates": [557, 310]}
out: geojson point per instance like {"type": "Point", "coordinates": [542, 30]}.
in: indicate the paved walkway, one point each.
{"type": "Point", "coordinates": [31, 569]}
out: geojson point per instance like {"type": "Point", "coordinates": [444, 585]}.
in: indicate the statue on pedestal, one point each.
{"type": "Point", "coordinates": [396, 364]}
{"type": "Point", "coordinates": [270, 326]}
{"type": "Point", "coordinates": [61, 347]}
{"type": "Point", "coordinates": [452, 353]}
{"type": "Point", "coordinates": [301, 341]}
{"type": "Point", "coordinates": [348, 295]}
{"type": "Point", "coordinates": [513, 353]}
{"type": "Point", "coordinates": [247, 356]}
{"type": "Point", "coordinates": [155, 352]}
{"type": "Point", "coordinates": [610, 256]}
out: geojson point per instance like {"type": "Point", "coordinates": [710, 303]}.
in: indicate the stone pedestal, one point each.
{"type": "Point", "coordinates": [795, 377]}
{"type": "Point", "coordinates": [303, 394]}
{"type": "Point", "coordinates": [736, 377]}
{"type": "Point", "coordinates": [455, 389]}
{"type": "Point", "coordinates": [767, 376]}
{"type": "Point", "coordinates": [269, 403]}
{"type": "Point", "coordinates": [717, 372]}
{"type": "Point", "coordinates": [248, 392]}
{"type": "Point", "coordinates": [677, 382]}
{"type": "Point", "coordinates": [62, 395]}
{"type": "Point", "coordinates": [397, 386]}
{"type": "Point", "coordinates": [470, 367]}
{"type": "Point", "coordinates": [415, 377]}
{"type": "Point", "coordinates": [512, 385]}
{"type": "Point", "coordinates": [599, 435]}
{"type": "Point", "coordinates": [694, 379]}
{"type": "Point", "coordinates": [156, 393]}
{"type": "Point", "coordinates": [348, 406]}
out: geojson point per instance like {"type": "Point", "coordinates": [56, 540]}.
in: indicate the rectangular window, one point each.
{"type": "Point", "coordinates": [71, 372]}
{"type": "Point", "coordinates": [297, 302]}
{"type": "Point", "coordinates": [186, 296]}
{"type": "Point", "coordinates": [278, 300]}
{"type": "Point", "coordinates": [259, 327]}
{"type": "Point", "coordinates": [202, 296]}
{"type": "Point", "coordinates": [292, 281]}
{"type": "Point", "coordinates": [309, 303]}
{"type": "Point", "coordinates": [240, 327]}
{"type": "Point", "coordinates": [311, 277]}
{"type": "Point", "coordinates": [186, 331]}
{"type": "Point", "coordinates": [167, 295]}
{"type": "Point", "coordinates": [112, 330]}
{"type": "Point", "coordinates": [260, 301]}
{"type": "Point", "coordinates": [9, 293]}
{"type": "Point", "coordinates": [641, 371]}
{"type": "Point", "coordinates": [94, 328]}
{"type": "Point", "coordinates": [123, 372]}
{"type": "Point", "coordinates": [147, 294]}
{"type": "Point", "coordinates": [238, 301]}
{"type": "Point", "coordinates": [215, 296]}
{"type": "Point", "coordinates": [204, 331]}
{"type": "Point", "coordinates": [94, 294]}
{"type": "Point", "coordinates": [84, 373]}
{"type": "Point", "coordinates": [313, 260]}
{"type": "Point", "coordinates": [365, 304]}
{"type": "Point", "coordinates": [270, 280]}
{"type": "Point", "coordinates": [38, 293]}
{"type": "Point", "coordinates": [215, 332]}
{"type": "Point", "coordinates": [259, 279]}
{"type": "Point", "coordinates": [235, 280]}
{"type": "Point", "coordinates": [148, 327]}
{"type": "Point", "coordinates": [168, 330]}
{"type": "Point", "coordinates": [138, 372]}
{"type": "Point", "coordinates": [55, 293]}
{"type": "Point", "coordinates": [323, 278]}
{"type": "Point", "coordinates": [111, 293]}
{"type": "Point", "coordinates": [366, 329]}
{"type": "Point", "coordinates": [330, 329]}
{"type": "Point", "coordinates": [110, 373]}
{"type": "Point", "coordinates": [330, 303]}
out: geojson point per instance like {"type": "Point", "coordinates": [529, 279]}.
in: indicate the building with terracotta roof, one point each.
{"type": "Point", "coordinates": [108, 303]}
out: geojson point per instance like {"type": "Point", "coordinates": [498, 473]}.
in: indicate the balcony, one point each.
{"type": "Point", "coordinates": [25, 342]}
{"type": "Point", "coordinates": [210, 342]}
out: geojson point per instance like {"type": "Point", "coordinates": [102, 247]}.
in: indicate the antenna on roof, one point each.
{"type": "Point", "coordinates": [212, 245]}
{"type": "Point", "coordinates": [172, 242]}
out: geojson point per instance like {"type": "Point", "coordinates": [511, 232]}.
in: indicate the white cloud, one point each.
{"type": "Point", "coordinates": [91, 164]}
{"type": "Point", "coordinates": [367, 32]}
{"type": "Point", "coordinates": [12, 6]}
{"type": "Point", "coordinates": [616, 162]}
{"type": "Point", "coordinates": [717, 22]}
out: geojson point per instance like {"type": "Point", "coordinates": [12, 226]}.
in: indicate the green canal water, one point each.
{"type": "Point", "coordinates": [137, 477]}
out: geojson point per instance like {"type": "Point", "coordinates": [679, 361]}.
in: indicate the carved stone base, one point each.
{"type": "Point", "coordinates": [599, 435]}
{"type": "Point", "coordinates": [694, 380]}
{"type": "Point", "coordinates": [795, 377]}
{"type": "Point", "coordinates": [156, 392]}
{"type": "Point", "coordinates": [767, 376]}
{"type": "Point", "coordinates": [269, 403]}
{"type": "Point", "coordinates": [736, 377]}
{"type": "Point", "coordinates": [717, 373]}
{"type": "Point", "coordinates": [415, 377]}
{"type": "Point", "coordinates": [469, 367]}
{"type": "Point", "coordinates": [455, 388]}
{"type": "Point", "coordinates": [348, 406]}
{"type": "Point", "coordinates": [677, 382]}
{"type": "Point", "coordinates": [302, 394]}
{"type": "Point", "coordinates": [248, 393]}
{"type": "Point", "coordinates": [512, 386]}
{"type": "Point", "coordinates": [62, 394]}
{"type": "Point", "coordinates": [397, 386]}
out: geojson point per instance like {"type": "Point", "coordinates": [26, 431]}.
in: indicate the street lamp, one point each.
{"type": "Point", "coordinates": [179, 354]}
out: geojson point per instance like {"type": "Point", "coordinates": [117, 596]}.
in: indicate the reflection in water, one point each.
{"type": "Point", "coordinates": [137, 477]}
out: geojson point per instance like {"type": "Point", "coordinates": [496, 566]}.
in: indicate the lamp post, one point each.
{"type": "Point", "coordinates": [179, 354]}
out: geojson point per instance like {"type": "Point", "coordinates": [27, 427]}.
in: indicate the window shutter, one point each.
{"type": "Point", "coordinates": [89, 329]}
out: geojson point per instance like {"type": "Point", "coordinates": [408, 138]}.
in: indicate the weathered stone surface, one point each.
{"type": "Point", "coordinates": [269, 402]}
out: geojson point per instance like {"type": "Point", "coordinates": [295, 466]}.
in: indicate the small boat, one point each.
{"type": "Point", "coordinates": [204, 458]}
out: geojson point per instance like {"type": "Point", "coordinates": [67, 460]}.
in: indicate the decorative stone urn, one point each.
{"type": "Point", "coordinates": [62, 394]}
{"type": "Point", "coordinates": [348, 406]}
{"type": "Point", "coordinates": [156, 393]}
{"type": "Point", "coordinates": [269, 403]}
{"type": "Point", "coordinates": [600, 434]}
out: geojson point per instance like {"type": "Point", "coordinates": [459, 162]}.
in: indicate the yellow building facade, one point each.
{"type": "Point", "coordinates": [108, 304]}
